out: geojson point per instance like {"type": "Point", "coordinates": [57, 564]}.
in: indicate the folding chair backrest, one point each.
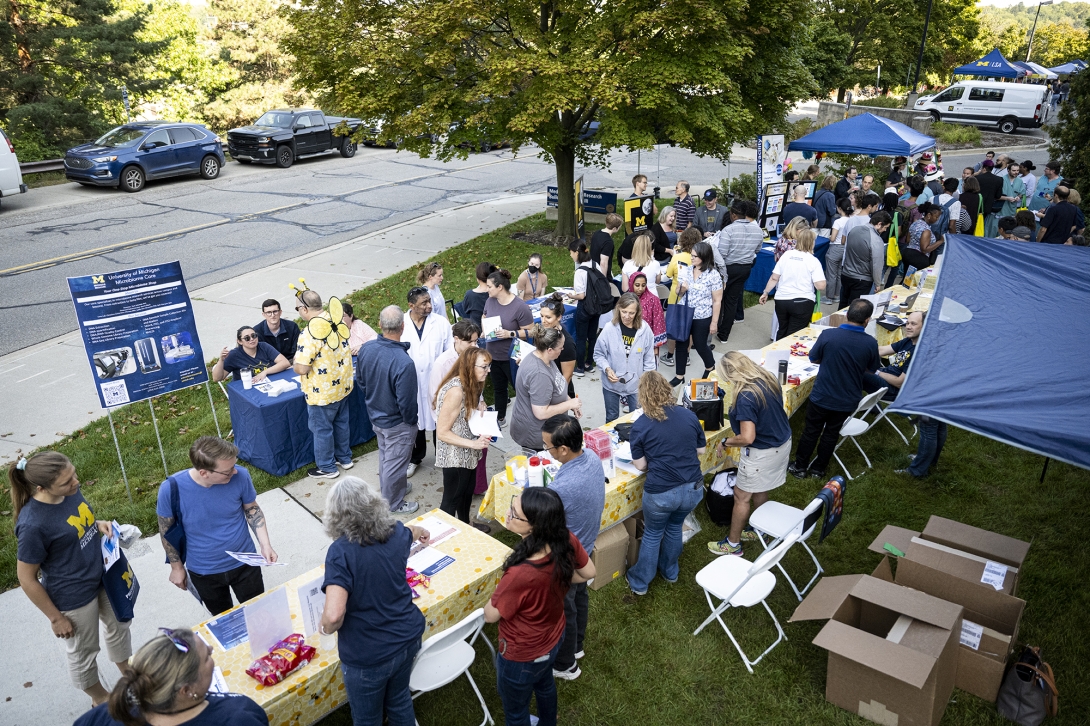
{"type": "Point", "coordinates": [663, 292]}
{"type": "Point", "coordinates": [869, 401]}
{"type": "Point", "coordinates": [224, 389]}
{"type": "Point", "coordinates": [811, 516]}
{"type": "Point", "coordinates": [455, 313]}
{"type": "Point", "coordinates": [614, 288]}
{"type": "Point", "coordinates": [468, 628]}
{"type": "Point", "coordinates": [769, 558]}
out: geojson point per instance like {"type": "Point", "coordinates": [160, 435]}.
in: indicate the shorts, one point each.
{"type": "Point", "coordinates": [83, 647]}
{"type": "Point", "coordinates": [762, 470]}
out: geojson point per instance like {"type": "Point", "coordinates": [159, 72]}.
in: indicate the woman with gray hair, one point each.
{"type": "Point", "coordinates": [370, 604]}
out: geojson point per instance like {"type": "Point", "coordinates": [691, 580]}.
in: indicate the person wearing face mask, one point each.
{"type": "Point", "coordinates": [532, 283]}
{"type": "Point", "coordinates": [168, 685]}
{"type": "Point", "coordinates": [625, 351]}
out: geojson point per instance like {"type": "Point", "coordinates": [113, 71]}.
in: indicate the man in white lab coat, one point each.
{"type": "Point", "coordinates": [428, 335]}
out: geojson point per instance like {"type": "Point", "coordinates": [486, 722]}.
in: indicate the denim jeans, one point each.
{"type": "Point", "coordinates": [329, 424]}
{"type": "Point", "coordinates": [663, 513]}
{"type": "Point", "coordinates": [380, 687]}
{"type": "Point", "coordinates": [576, 609]}
{"type": "Point", "coordinates": [932, 439]}
{"type": "Point", "coordinates": [613, 402]}
{"type": "Point", "coordinates": [517, 682]}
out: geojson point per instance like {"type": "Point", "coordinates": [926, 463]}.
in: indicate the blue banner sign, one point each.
{"type": "Point", "coordinates": [139, 332]}
{"type": "Point", "coordinates": [594, 201]}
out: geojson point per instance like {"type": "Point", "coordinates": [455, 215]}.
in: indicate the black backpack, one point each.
{"type": "Point", "coordinates": [599, 297]}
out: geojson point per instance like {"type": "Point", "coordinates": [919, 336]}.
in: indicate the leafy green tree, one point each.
{"type": "Point", "coordinates": [1070, 136]}
{"type": "Point", "coordinates": [445, 75]}
{"type": "Point", "coordinates": [62, 65]}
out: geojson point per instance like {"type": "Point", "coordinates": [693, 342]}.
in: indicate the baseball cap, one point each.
{"type": "Point", "coordinates": [711, 194]}
{"type": "Point", "coordinates": [1022, 232]}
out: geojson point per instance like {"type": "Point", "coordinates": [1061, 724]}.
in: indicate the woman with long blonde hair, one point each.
{"type": "Point", "coordinates": [667, 442]}
{"type": "Point", "coordinates": [643, 260]}
{"type": "Point", "coordinates": [762, 431]}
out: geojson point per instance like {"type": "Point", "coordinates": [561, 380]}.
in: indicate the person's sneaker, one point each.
{"type": "Point", "coordinates": [406, 507]}
{"type": "Point", "coordinates": [723, 547]}
{"type": "Point", "coordinates": [579, 654]}
{"type": "Point", "coordinates": [317, 473]}
{"type": "Point", "coordinates": [411, 470]}
{"type": "Point", "coordinates": [482, 528]}
{"type": "Point", "coordinates": [748, 535]}
{"type": "Point", "coordinates": [569, 675]}
{"type": "Point", "coordinates": [816, 474]}
{"type": "Point", "coordinates": [348, 465]}
{"type": "Point", "coordinates": [667, 360]}
{"type": "Point", "coordinates": [796, 471]}
{"type": "Point", "coordinates": [533, 720]}
{"type": "Point", "coordinates": [579, 372]}
{"type": "Point", "coordinates": [408, 487]}
{"type": "Point", "coordinates": [501, 422]}
{"type": "Point", "coordinates": [634, 590]}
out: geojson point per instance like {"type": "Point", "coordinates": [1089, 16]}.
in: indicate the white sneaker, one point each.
{"type": "Point", "coordinates": [411, 470]}
{"type": "Point", "coordinates": [408, 487]}
{"type": "Point", "coordinates": [406, 507]}
{"type": "Point", "coordinates": [348, 466]}
{"type": "Point", "coordinates": [569, 675]}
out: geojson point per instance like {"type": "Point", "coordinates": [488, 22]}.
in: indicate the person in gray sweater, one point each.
{"type": "Point", "coordinates": [864, 259]}
{"type": "Point", "coordinates": [625, 351]}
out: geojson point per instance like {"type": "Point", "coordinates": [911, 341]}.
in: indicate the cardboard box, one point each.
{"type": "Point", "coordinates": [935, 565]}
{"type": "Point", "coordinates": [610, 551]}
{"type": "Point", "coordinates": [634, 526]}
{"type": "Point", "coordinates": [892, 651]}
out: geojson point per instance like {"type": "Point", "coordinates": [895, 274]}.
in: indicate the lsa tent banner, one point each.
{"type": "Point", "coordinates": [139, 332]}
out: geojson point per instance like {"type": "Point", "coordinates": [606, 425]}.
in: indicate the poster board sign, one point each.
{"type": "Point", "coordinates": [639, 213]}
{"type": "Point", "coordinates": [775, 197]}
{"type": "Point", "coordinates": [771, 160]}
{"type": "Point", "coordinates": [580, 209]}
{"type": "Point", "coordinates": [139, 332]}
{"type": "Point", "coordinates": [595, 201]}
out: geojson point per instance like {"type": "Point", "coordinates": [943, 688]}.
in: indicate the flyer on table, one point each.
{"type": "Point", "coordinates": [139, 333]}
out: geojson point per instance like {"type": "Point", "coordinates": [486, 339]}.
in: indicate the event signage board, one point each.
{"type": "Point", "coordinates": [139, 332]}
{"type": "Point", "coordinates": [771, 160]}
{"type": "Point", "coordinates": [580, 208]}
{"type": "Point", "coordinates": [775, 197]}
{"type": "Point", "coordinates": [639, 213]}
{"type": "Point", "coordinates": [594, 201]}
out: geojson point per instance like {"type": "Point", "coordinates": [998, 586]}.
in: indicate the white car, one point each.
{"type": "Point", "coordinates": [1009, 106]}
{"type": "Point", "coordinates": [11, 179]}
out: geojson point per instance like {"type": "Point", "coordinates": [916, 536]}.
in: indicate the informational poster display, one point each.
{"type": "Point", "coordinates": [139, 333]}
{"type": "Point", "coordinates": [775, 197]}
{"type": "Point", "coordinates": [771, 159]}
{"type": "Point", "coordinates": [595, 201]}
{"type": "Point", "coordinates": [580, 208]}
{"type": "Point", "coordinates": [639, 213]}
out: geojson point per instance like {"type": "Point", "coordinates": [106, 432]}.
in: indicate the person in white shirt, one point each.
{"type": "Point", "coordinates": [796, 276]}
{"type": "Point", "coordinates": [430, 276]}
{"type": "Point", "coordinates": [834, 256]}
{"type": "Point", "coordinates": [1028, 177]}
{"type": "Point", "coordinates": [428, 335]}
{"type": "Point", "coordinates": [643, 260]}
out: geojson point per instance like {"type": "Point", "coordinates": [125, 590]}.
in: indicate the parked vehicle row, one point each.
{"type": "Point", "coordinates": [1009, 106]}
{"type": "Point", "coordinates": [11, 178]}
{"type": "Point", "coordinates": [283, 135]}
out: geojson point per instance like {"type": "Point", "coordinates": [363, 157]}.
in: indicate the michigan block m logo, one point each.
{"type": "Point", "coordinates": [84, 520]}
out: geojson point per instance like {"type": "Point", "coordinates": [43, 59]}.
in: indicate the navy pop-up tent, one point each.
{"type": "Point", "coordinates": [865, 134]}
{"type": "Point", "coordinates": [1005, 347]}
{"type": "Point", "coordinates": [1070, 67]}
{"type": "Point", "coordinates": [993, 65]}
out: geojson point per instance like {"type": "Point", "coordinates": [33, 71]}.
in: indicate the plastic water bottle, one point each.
{"type": "Point", "coordinates": [247, 378]}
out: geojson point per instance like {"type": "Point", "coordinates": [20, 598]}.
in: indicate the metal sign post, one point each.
{"type": "Point", "coordinates": [117, 446]}
{"type": "Point", "coordinates": [125, 100]}
{"type": "Point", "coordinates": [215, 418]}
{"type": "Point", "coordinates": [155, 425]}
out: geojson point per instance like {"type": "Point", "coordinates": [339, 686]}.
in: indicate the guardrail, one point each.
{"type": "Point", "coordinates": [37, 167]}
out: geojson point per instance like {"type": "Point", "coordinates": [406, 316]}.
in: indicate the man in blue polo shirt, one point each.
{"type": "Point", "coordinates": [845, 355]}
{"type": "Point", "coordinates": [581, 486]}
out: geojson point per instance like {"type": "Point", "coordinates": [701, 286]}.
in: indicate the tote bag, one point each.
{"type": "Point", "coordinates": [979, 229]}
{"type": "Point", "coordinates": [121, 588]}
{"type": "Point", "coordinates": [893, 250]}
{"type": "Point", "coordinates": [679, 319]}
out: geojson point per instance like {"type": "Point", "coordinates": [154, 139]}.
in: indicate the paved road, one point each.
{"type": "Point", "coordinates": [253, 217]}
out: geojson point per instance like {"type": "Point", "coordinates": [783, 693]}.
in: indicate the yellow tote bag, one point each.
{"type": "Point", "coordinates": [893, 250]}
{"type": "Point", "coordinates": [979, 229]}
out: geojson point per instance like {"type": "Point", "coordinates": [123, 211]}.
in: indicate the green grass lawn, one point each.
{"type": "Point", "coordinates": [630, 648]}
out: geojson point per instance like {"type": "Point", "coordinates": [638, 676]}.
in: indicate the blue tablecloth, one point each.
{"type": "Point", "coordinates": [766, 261]}
{"type": "Point", "coordinates": [272, 433]}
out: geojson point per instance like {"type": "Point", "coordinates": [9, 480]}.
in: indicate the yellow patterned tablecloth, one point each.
{"type": "Point", "coordinates": [317, 688]}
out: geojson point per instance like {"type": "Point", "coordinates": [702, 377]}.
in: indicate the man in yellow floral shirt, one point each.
{"type": "Point", "coordinates": [326, 376]}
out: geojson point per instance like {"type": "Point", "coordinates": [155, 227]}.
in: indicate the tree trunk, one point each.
{"type": "Point", "coordinates": [840, 95]}
{"type": "Point", "coordinates": [22, 44]}
{"type": "Point", "coordinates": [564, 158]}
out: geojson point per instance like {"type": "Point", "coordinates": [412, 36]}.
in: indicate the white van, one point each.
{"type": "Point", "coordinates": [11, 178]}
{"type": "Point", "coordinates": [990, 103]}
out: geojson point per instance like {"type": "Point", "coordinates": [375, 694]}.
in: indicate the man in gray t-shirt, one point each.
{"type": "Point", "coordinates": [581, 484]}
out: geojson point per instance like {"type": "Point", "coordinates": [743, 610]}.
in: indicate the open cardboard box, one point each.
{"type": "Point", "coordinates": [948, 560]}
{"type": "Point", "coordinates": [610, 552]}
{"type": "Point", "coordinates": [634, 526]}
{"type": "Point", "coordinates": [892, 650]}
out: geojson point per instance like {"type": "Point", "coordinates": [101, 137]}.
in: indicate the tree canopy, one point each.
{"type": "Point", "coordinates": [443, 75]}
{"type": "Point", "coordinates": [1070, 137]}
{"type": "Point", "coordinates": [1061, 32]}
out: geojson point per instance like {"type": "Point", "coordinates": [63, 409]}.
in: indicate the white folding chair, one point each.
{"type": "Point", "coordinates": [775, 521]}
{"type": "Point", "coordinates": [741, 584]}
{"type": "Point", "coordinates": [886, 404]}
{"type": "Point", "coordinates": [446, 656]}
{"type": "Point", "coordinates": [614, 288]}
{"type": "Point", "coordinates": [664, 294]}
{"type": "Point", "coordinates": [854, 427]}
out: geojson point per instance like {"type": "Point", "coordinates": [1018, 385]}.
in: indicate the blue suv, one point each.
{"type": "Point", "coordinates": [130, 155]}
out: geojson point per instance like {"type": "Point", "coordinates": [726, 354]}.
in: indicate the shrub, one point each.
{"type": "Point", "coordinates": [946, 133]}
{"type": "Point", "coordinates": [882, 102]}
{"type": "Point", "coordinates": [743, 186]}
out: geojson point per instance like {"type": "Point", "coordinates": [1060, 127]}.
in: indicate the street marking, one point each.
{"type": "Point", "coordinates": [162, 237]}
{"type": "Point", "coordinates": [42, 373]}
{"type": "Point", "coordinates": [260, 294]}
{"type": "Point", "coordinates": [228, 294]}
{"type": "Point", "coordinates": [56, 381]}
{"type": "Point", "coordinates": [9, 370]}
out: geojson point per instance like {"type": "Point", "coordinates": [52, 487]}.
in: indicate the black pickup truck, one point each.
{"type": "Point", "coordinates": [283, 135]}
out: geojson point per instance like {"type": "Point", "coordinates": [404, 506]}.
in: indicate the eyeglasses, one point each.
{"type": "Point", "coordinates": [485, 367]}
{"type": "Point", "coordinates": [224, 473]}
{"type": "Point", "coordinates": [176, 639]}
{"type": "Point", "coordinates": [272, 312]}
{"type": "Point", "coordinates": [512, 515]}
{"type": "Point", "coordinates": [248, 337]}
{"type": "Point", "coordinates": [300, 307]}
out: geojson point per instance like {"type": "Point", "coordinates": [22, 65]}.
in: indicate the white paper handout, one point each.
{"type": "Point", "coordinates": [429, 560]}
{"type": "Point", "coordinates": [312, 603]}
{"type": "Point", "coordinates": [252, 558]}
{"type": "Point", "coordinates": [773, 358]}
{"type": "Point", "coordinates": [219, 683]}
{"type": "Point", "coordinates": [756, 355]}
{"type": "Point", "coordinates": [268, 621]}
{"type": "Point", "coordinates": [485, 423]}
{"type": "Point", "coordinates": [523, 348]}
{"type": "Point", "coordinates": [439, 530]}
{"type": "Point", "coordinates": [489, 325]}
{"type": "Point", "coordinates": [111, 546]}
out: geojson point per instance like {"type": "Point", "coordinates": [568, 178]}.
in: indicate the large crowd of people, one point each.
{"type": "Point", "coordinates": [418, 373]}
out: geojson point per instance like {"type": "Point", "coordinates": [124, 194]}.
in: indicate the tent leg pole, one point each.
{"type": "Point", "coordinates": [1044, 470]}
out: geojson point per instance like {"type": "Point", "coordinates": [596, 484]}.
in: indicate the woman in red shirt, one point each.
{"type": "Point", "coordinates": [529, 604]}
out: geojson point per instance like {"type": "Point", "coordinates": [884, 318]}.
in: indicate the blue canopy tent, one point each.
{"type": "Point", "coordinates": [993, 65]}
{"type": "Point", "coordinates": [993, 361]}
{"type": "Point", "coordinates": [1035, 70]}
{"type": "Point", "coordinates": [865, 134]}
{"type": "Point", "coordinates": [1069, 67]}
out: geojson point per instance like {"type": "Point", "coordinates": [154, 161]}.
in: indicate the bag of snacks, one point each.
{"type": "Point", "coordinates": [290, 653]}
